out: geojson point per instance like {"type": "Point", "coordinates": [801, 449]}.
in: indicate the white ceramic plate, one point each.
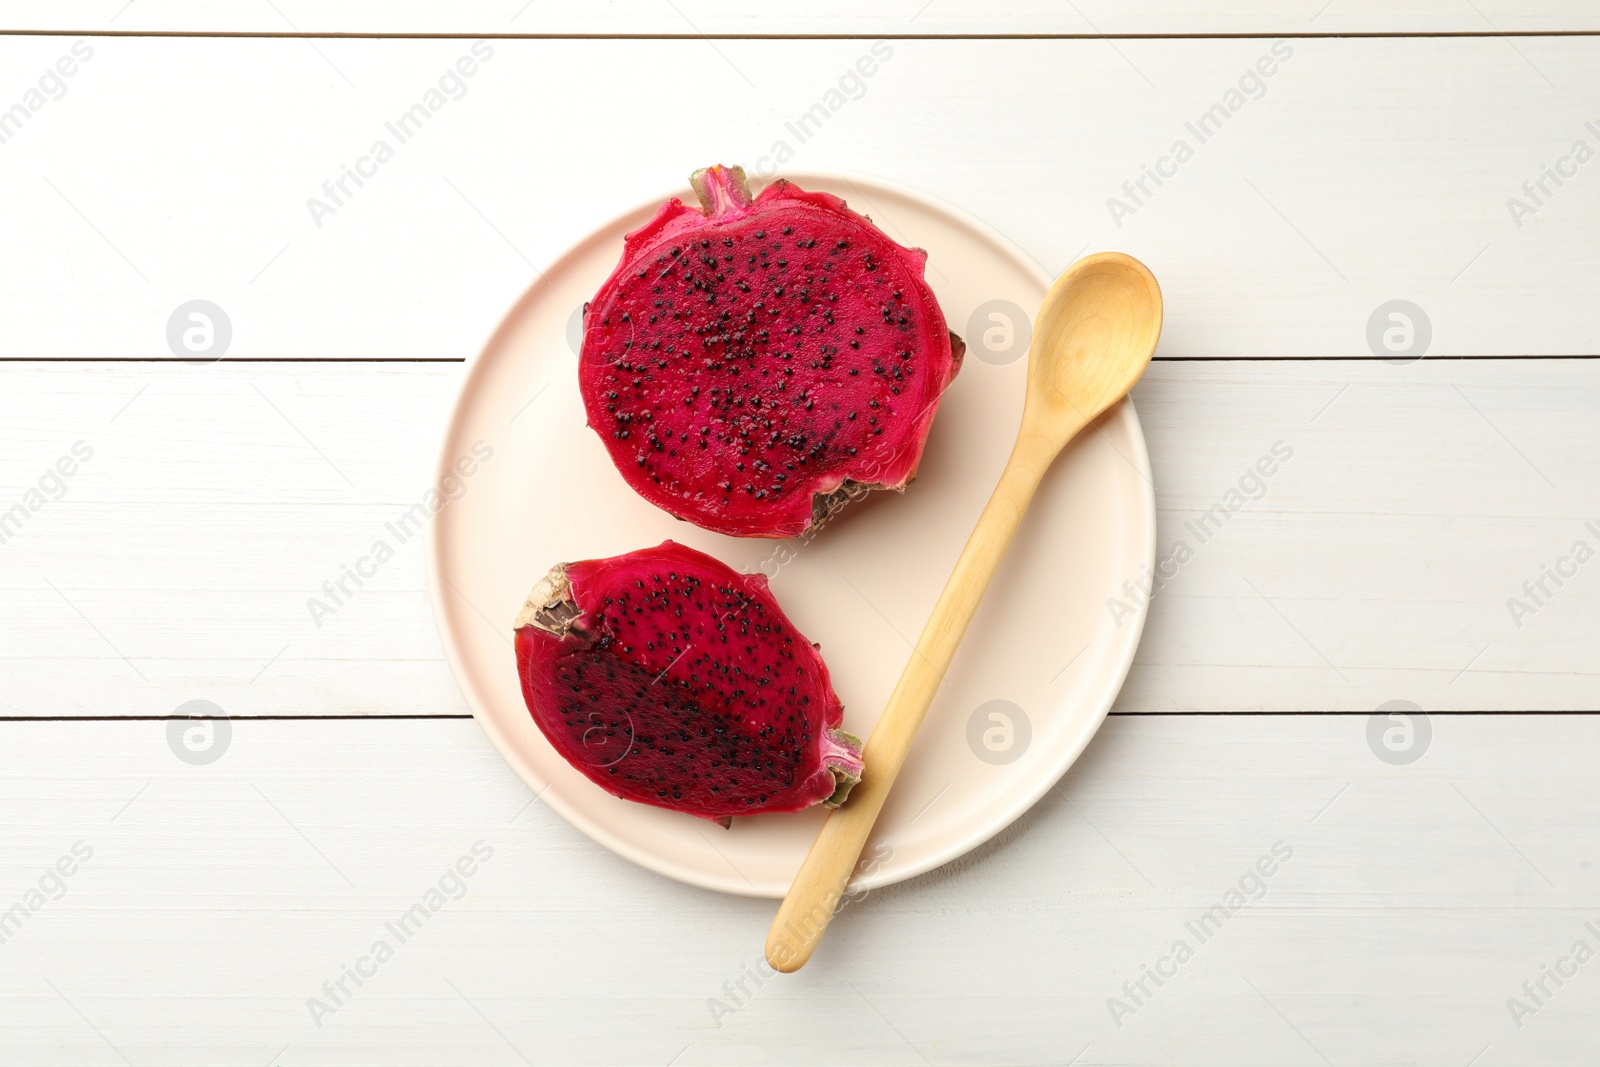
{"type": "Point", "coordinates": [1044, 640]}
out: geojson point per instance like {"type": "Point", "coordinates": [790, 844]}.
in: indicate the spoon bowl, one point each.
{"type": "Point", "coordinates": [1093, 338]}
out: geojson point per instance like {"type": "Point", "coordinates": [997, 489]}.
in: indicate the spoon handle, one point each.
{"type": "Point", "coordinates": [821, 881]}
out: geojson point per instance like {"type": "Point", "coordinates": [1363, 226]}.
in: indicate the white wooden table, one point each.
{"type": "Point", "coordinates": [1384, 158]}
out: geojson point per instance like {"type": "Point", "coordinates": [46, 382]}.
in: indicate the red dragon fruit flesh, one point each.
{"type": "Point", "coordinates": [669, 678]}
{"type": "Point", "coordinates": [749, 363]}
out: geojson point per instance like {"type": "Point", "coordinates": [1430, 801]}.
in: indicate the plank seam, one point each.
{"type": "Point", "coordinates": [380, 36]}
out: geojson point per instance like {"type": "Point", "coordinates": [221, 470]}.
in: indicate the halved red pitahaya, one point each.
{"type": "Point", "coordinates": [747, 364]}
{"type": "Point", "coordinates": [669, 678]}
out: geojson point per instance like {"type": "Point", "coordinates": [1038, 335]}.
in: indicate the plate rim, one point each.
{"type": "Point", "coordinates": [597, 832]}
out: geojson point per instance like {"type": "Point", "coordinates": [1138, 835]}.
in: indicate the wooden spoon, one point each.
{"type": "Point", "coordinates": [1094, 337]}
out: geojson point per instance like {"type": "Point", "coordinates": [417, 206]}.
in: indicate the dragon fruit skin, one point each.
{"type": "Point", "coordinates": [744, 362]}
{"type": "Point", "coordinates": [668, 678]}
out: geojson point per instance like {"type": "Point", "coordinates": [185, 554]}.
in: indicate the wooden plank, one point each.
{"type": "Point", "coordinates": [1351, 181]}
{"type": "Point", "coordinates": [217, 900]}
{"type": "Point", "coordinates": [694, 17]}
{"type": "Point", "coordinates": [1376, 563]}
